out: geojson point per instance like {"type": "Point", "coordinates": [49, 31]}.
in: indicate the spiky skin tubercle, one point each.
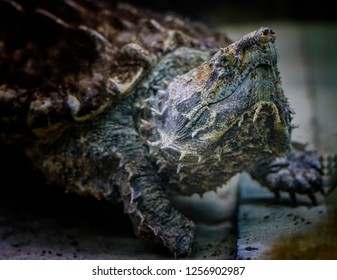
{"type": "Point", "coordinates": [130, 109]}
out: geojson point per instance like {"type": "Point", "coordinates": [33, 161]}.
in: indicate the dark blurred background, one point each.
{"type": "Point", "coordinates": [213, 11]}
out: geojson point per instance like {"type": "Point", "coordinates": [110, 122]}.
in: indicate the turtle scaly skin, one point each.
{"type": "Point", "coordinates": [127, 105]}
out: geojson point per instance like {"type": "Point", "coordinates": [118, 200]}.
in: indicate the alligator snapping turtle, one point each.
{"type": "Point", "coordinates": [128, 105]}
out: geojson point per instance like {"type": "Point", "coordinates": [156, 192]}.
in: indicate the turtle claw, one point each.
{"type": "Point", "coordinates": [312, 198]}
{"type": "Point", "coordinates": [293, 198]}
{"type": "Point", "coordinates": [332, 172]}
{"type": "Point", "coordinates": [321, 190]}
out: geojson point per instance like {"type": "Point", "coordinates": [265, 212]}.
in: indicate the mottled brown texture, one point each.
{"type": "Point", "coordinates": [65, 60]}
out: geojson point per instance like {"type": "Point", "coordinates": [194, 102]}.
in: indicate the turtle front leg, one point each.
{"type": "Point", "coordinates": [152, 214]}
{"type": "Point", "coordinates": [301, 171]}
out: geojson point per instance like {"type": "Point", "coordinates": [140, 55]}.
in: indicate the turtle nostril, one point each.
{"type": "Point", "coordinates": [268, 31]}
{"type": "Point", "coordinates": [266, 34]}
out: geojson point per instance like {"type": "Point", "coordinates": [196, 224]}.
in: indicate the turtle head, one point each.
{"type": "Point", "coordinates": [230, 106]}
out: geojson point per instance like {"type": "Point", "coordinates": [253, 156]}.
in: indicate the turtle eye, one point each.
{"type": "Point", "coordinates": [226, 60]}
